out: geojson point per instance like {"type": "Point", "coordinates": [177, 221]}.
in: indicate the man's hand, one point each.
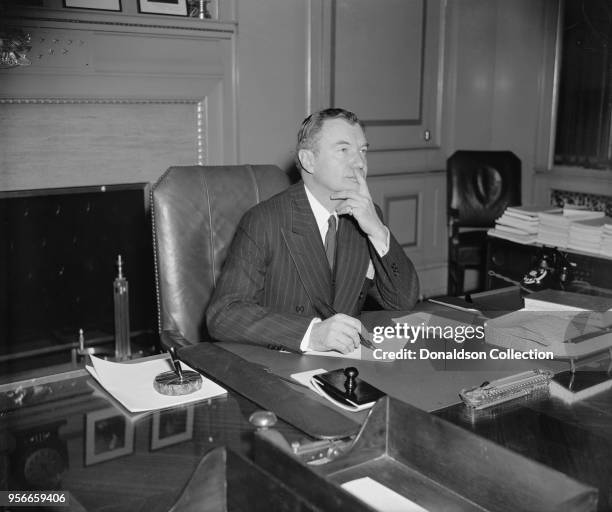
{"type": "Point", "coordinates": [358, 203]}
{"type": "Point", "coordinates": [339, 332]}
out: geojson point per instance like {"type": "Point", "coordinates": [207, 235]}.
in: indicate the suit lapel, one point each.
{"type": "Point", "coordinates": [351, 264]}
{"type": "Point", "coordinates": [306, 248]}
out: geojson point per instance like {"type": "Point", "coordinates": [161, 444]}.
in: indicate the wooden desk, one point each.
{"type": "Point", "coordinates": [574, 439]}
{"type": "Point", "coordinates": [53, 436]}
{"type": "Point", "coordinates": [149, 474]}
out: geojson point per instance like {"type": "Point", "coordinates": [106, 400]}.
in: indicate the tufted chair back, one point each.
{"type": "Point", "coordinates": [195, 213]}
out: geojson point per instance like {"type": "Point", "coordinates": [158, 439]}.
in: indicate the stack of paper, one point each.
{"type": "Point", "coordinates": [560, 300]}
{"type": "Point", "coordinates": [131, 384]}
{"type": "Point", "coordinates": [554, 227]}
{"type": "Point", "coordinates": [564, 333]}
{"type": "Point", "coordinates": [568, 324]}
{"type": "Point", "coordinates": [586, 235]}
{"type": "Point", "coordinates": [606, 239]}
{"type": "Point", "coordinates": [520, 223]}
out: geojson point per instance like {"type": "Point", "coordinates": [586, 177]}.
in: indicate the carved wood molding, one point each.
{"type": "Point", "coordinates": [122, 20]}
{"type": "Point", "coordinates": [111, 101]}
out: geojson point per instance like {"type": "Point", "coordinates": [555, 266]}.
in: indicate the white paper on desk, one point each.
{"type": "Point", "coordinates": [380, 497]}
{"type": "Point", "coordinates": [355, 354]}
{"type": "Point", "coordinates": [365, 354]}
{"type": "Point", "coordinates": [132, 384]}
{"type": "Point", "coordinates": [416, 318]}
{"type": "Point", "coordinates": [306, 379]}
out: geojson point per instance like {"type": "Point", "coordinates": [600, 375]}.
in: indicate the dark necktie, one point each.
{"type": "Point", "coordinates": [330, 241]}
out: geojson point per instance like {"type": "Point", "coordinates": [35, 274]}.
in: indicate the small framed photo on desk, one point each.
{"type": "Point", "coordinates": [171, 427]}
{"type": "Point", "coordinates": [108, 435]}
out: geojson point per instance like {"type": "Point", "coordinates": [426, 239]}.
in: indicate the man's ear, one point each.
{"type": "Point", "coordinates": [306, 157]}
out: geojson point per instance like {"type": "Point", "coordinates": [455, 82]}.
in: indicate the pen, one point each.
{"type": "Point", "coordinates": [176, 363]}
{"type": "Point", "coordinates": [326, 311]}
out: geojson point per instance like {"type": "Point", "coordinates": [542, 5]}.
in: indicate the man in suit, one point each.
{"type": "Point", "coordinates": [301, 263]}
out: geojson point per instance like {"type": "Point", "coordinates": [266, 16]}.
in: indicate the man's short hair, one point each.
{"type": "Point", "coordinates": [311, 127]}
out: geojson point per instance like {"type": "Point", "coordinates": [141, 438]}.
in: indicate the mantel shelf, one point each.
{"type": "Point", "coordinates": [116, 20]}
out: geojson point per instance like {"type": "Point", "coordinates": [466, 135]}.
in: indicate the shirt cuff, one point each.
{"type": "Point", "coordinates": [305, 344]}
{"type": "Point", "coordinates": [382, 250]}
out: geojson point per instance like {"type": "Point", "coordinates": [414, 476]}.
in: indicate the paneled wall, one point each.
{"type": "Point", "coordinates": [428, 76]}
{"type": "Point", "coordinates": [384, 60]}
{"type": "Point", "coordinates": [499, 54]}
{"type": "Point", "coordinates": [271, 53]}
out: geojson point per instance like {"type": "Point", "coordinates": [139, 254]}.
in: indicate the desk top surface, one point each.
{"type": "Point", "coordinates": [111, 460]}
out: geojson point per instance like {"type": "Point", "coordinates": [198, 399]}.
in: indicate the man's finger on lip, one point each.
{"type": "Point", "coordinates": [343, 194]}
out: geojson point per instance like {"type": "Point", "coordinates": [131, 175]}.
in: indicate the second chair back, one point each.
{"type": "Point", "coordinates": [480, 184]}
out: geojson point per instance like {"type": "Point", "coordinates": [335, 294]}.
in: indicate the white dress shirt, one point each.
{"type": "Point", "coordinates": [321, 215]}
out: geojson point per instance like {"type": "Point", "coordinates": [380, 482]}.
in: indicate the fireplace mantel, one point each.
{"type": "Point", "coordinates": [115, 98]}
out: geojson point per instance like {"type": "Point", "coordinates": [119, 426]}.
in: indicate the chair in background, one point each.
{"type": "Point", "coordinates": [480, 185]}
{"type": "Point", "coordinates": [195, 213]}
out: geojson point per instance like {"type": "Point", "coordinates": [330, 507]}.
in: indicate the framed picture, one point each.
{"type": "Point", "coordinates": [171, 427]}
{"type": "Point", "coordinates": [108, 435]}
{"type": "Point", "coordinates": [175, 7]}
{"type": "Point", "coordinates": [102, 5]}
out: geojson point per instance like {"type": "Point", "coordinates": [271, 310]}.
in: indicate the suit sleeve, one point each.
{"type": "Point", "coordinates": [236, 312]}
{"type": "Point", "coordinates": [396, 283]}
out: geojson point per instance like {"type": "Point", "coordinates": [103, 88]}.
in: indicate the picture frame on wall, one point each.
{"type": "Point", "coordinates": [99, 5]}
{"type": "Point", "coordinates": [108, 435]}
{"type": "Point", "coordinates": [172, 7]}
{"type": "Point", "coordinates": [171, 426]}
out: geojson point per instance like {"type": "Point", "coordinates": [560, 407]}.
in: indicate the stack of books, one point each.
{"type": "Point", "coordinates": [586, 235]}
{"type": "Point", "coordinates": [520, 223]}
{"type": "Point", "coordinates": [554, 227]}
{"type": "Point", "coordinates": [606, 239]}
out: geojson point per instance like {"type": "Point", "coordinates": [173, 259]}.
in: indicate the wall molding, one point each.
{"type": "Point", "coordinates": [412, 197]}
{"type": "Point", "coordinates": [200, 107]}
{"type": "Point", "coordinates": [111, 101]}
{"type": "Point", "coordinates": [119, 19]}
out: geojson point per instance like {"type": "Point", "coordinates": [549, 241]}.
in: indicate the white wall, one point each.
{"type": "Point", "coordinates": [496, 59]}
{"type": "Point", "coordinates": [272, 47]}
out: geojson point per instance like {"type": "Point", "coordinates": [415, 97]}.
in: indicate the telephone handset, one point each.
{"type": "Point", "coordinates": [552, 269]}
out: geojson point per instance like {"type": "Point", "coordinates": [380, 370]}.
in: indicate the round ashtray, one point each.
{"type": "Point", "coordinates": [170, 383]}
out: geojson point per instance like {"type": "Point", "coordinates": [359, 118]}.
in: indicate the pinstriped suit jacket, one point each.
{"type": "Point", "coordinates": [276, 267]}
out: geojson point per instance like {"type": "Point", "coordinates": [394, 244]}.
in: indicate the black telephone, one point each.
{"type": "Point", "coordinates": [551, 269]}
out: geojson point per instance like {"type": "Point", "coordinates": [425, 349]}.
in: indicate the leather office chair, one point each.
{"type": "Point", "coordinates": [195, 213]}
{"type": "Point", "coordinates": [480, 184]}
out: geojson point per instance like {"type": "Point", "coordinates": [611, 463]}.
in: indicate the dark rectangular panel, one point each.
{"type": "Point", "coordinates": [58, 252]}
